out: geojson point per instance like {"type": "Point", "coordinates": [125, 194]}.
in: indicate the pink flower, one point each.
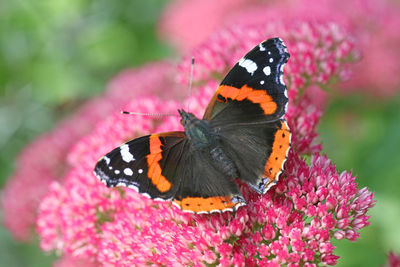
{"type": "Point", "coordinates": [372, 24]}
{"type": "Point", "coordinates": [39, 164]}
{"type": "Point", "coordinates": [293, 223]}
{"type": "Point", "coordinates": [393, 260]}
{"type": "Point", "coordinates": [193, 13]}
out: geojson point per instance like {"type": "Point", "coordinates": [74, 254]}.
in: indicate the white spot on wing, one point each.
{"type": "Point", "coordinates": [176, 205]}
{"type": "Point", "coordinates": [206, 212]}
{"type": "Point", "coordinates": [116, 171]}
{"type": "Point", "coordinates": [162, 199]}
{"type": "Point", "coordinates": [281, 79]}
{"type": "Point", "coordinates": [268, 187]}
{"type": "Point", "coordinates": [248, 64]}
{"type": "Point", "coordinates": [262, 48]}
{"type": "Point", "coordinates": [271, 60]}
{"type": "Point", "coordinates": [283, 44]}
{"type": "Point", "coordinates": [107, 160]}
{"type": "Point", "coordinates": [126, 155]}
{"type": "Point", "coordinates": [262, 82]}
{"type": "Point", "coordinates": [128, 171]}
{"type": "Point", "coordinates": [134, 187]}
{"type": "Point", "coordinates": [146, 195]}
{"type": "Point", "coordinates": [140, 171]}
{"type": "Point", "coordinates": [267, 70]}
{"type": "Point", "coordinates": [281, 74]}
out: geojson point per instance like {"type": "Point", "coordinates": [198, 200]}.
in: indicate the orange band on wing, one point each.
{"type": "Point", "coordinates": [200, 204]}
{"type": "Point", "coordinates": [260, 97]}
{"type": "Point", "coordinates": [153, 162]}
{"type": "Point", "coordinates": [281, 145]}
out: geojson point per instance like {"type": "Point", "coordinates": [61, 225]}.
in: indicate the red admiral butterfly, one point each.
{"type": "Point", "coordinates": [242, 136]}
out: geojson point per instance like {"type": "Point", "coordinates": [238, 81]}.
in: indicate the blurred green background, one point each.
{"type": "Point", "coordinates": [55, 54]}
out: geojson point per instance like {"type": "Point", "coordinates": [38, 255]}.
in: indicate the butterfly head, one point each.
{"type": "Point", "coordinates": [196, 130]}
{"type": "Point", "coordinates": [186, 117]}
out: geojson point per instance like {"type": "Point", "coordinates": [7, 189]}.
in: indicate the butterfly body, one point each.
{"type": "Point", "coordinates": [242, 135]}
{"type": "Point", "coordinates": [202, 137]}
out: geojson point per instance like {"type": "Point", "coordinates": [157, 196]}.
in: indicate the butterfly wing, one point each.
{"type": "Point", "coordinates": [247, 113]}
{"type": "Point", "coordinates": [205, 189]}
{"type": "Point", "coordinates": [253, 91]}
{"type": "Point", "coordinates": [162, 166]}
{"type": "Point", "coordinates": [147, 164]}
{"type": "Point", "coordinates": [258, 150]}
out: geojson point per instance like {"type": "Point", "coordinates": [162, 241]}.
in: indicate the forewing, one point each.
{"type": "Point", "coordinates": [149, 164]}
{"type": "Point", "coordinates": [253, 91]}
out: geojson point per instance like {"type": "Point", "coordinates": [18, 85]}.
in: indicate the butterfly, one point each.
{"type": "Point", "coordinates": [242, 135]}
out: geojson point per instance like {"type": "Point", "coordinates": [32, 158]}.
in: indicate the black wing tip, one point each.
{"type": "Point", "coordinates": [280, 45]}
{"type": "Point", "coordinates": [276, 41]}
{"type": "Point", "coordinates": [102, 176]}
{"type": "Point", "coordinates": [98, 172]}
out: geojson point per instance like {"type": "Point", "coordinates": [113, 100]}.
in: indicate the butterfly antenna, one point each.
{"type": "Point", "coordinates": [190, 83]}
{"type": "Point", "coordinates": [147, 114]}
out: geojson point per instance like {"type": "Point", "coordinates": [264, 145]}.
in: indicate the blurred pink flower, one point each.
{"type": "Point", "coordinates": [294, 222]}
{"type": "Point", "coordinates": [68, 261]}
{"type": "Point", "coordinates": [204, 17]}
{"type": "Point", "coordinates": [39, 164]}
{"type": "Point", "coordinates": [147, 80]}
{"type": "Point", "coordinates": [393, 260]}
{"type": "Point", "coordinates": [373, 24]}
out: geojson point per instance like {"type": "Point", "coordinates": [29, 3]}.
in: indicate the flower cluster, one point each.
{"type": "Point", "coordinates": [373, 25]}
{"type": "Point", "coordinates": [292, 223]}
